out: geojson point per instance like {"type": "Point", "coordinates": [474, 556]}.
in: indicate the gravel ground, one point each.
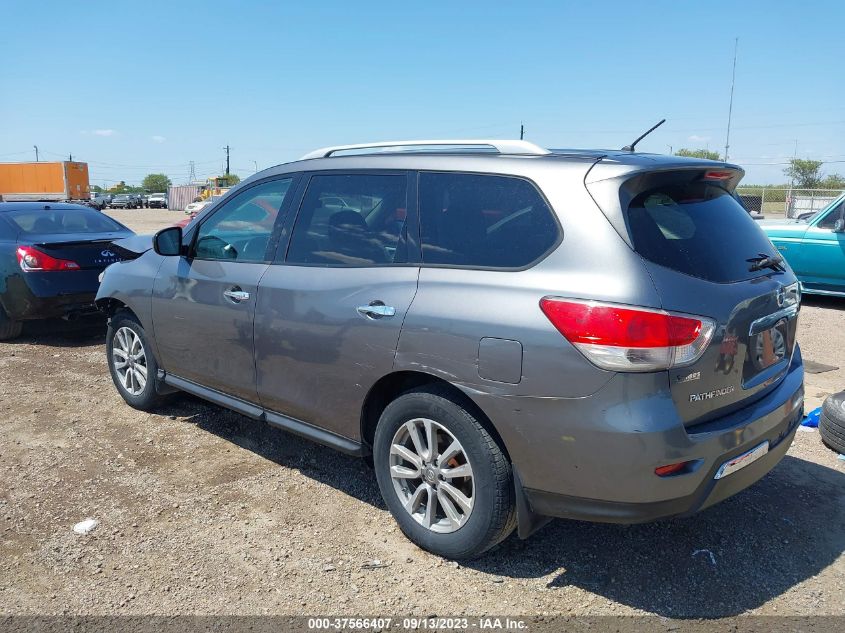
{"type": "Point", "coordinates": [202, 511]}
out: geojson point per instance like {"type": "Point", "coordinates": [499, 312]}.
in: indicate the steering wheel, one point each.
{"type": "Point", "coordinates": [214, 247]}
{"type": "Point", "coordinates": [255, 248]}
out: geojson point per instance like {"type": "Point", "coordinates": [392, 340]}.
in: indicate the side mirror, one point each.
{"type": "Point", "coordinates": [168, 242]}
{"type": "Point", "coordinates": [839, 226]}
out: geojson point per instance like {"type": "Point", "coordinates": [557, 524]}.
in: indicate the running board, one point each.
{"type": "Point", "coordinates": [297, 427]}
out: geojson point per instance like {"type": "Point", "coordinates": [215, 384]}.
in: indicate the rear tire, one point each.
{"type": "Point", "coordinates": [456, 501]}
{"type": "Point", "coordinates": [132, 365]}
{"type": "Point", "coordinates": [9, 329]}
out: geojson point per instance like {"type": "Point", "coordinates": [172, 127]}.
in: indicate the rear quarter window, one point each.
{"type": "Point", "coordinates": [697, 229]}
{"type": "Point", "coordinates": [483, 221]}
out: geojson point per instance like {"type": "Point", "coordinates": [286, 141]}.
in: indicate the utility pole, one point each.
{"type": "Point", "coordinates": [731, 102]}
{"type": "Point", "coordinates": [521, 131]}
{"type": "Point", "coordinates": [227, 159]}
{"type": "Point", "coordinates": [193, 175]}
{"type": "Point", "coordinates": [70, 157]}
{"type": "Point", "coordinates": [36, 153]}
{"type": "Point", "coordinates": [256, 166]}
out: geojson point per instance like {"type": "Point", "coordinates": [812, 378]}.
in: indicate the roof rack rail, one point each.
{"type": "Point", "coordinates": [500, 146]}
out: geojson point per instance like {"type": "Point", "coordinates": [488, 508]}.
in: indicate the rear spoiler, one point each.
{"type": "Point", "coordinates": [614, 185]}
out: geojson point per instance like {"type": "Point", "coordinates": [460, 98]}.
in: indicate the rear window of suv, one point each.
{"type": "Point", "coordinates": [697, 229]}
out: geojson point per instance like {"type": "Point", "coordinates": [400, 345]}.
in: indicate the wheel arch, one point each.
{"type": "Point", "coordinates": [391, 386]}
{"type": "Point", "coordinates": [110, 306]}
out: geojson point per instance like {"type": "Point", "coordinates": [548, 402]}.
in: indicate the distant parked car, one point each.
{"type": "Point", "coordinates": [124, 201]}
{"type": "Point", "coordinates": [185, 221]}
{"type": "Point", "coordinates": [143, 200]}
{"type": "Point", "coordinates": [51, 256]}
{"type": "Point", "coordinates": [814, 248]}
{"type": "Point", "coordinates": [157, 201]}
{"type": "Point", "coordinates": [99, 201]}
{"type": "Point", "coordinates": [196, 207]}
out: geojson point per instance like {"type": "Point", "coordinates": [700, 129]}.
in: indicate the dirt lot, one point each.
{"type": "Point", "coordinates": [204, 511]}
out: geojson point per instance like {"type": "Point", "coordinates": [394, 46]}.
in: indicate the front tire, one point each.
{"type": "Point", "coordinates": [442, 475]}
{"type": "Point", "coordinates": [132, 365]}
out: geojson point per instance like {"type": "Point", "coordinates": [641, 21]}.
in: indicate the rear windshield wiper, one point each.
{"type": "Point", "coordinates": [775, 262]}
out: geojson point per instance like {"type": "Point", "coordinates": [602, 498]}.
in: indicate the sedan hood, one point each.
{"type": "Point", "coordinates": [133, 247]}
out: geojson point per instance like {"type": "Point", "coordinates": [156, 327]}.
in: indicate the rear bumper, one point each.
{"type": "Point", "coordinates": [710, 491]}
{"type": "Point", "coordinates": [593, 458]}
{"type": "Point", "coordinates": [54, 294]}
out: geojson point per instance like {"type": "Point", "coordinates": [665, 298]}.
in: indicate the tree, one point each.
{"type": "Point", "coordinates": [230, 180]}
{"type": "Point", "coordinates": [805, 173]}
{"type": "Point", "coordinates": [698, 153]}
{"type": "Point", "coordinates": [833, 181]}
{"type": "Point", "coordinates": [156, 183]}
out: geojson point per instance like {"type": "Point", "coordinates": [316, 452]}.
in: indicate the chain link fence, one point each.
{"type": "Point", "coordinates": [790, 203]}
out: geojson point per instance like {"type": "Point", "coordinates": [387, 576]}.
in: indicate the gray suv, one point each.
{"type": "Point", "coordinates": [509, 333]}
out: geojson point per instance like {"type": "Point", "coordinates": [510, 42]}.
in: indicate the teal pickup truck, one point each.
{"type": "Point", "coordinates": [814, 248]}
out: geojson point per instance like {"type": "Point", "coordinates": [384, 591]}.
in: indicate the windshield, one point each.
{"type": "Point", "coordinates": [697, 229]}
{"type": "Point", "coordinates": [63, 221]}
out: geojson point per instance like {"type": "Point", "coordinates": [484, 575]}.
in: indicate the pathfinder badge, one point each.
{"type": "Point", "coordinates": [709, 395]}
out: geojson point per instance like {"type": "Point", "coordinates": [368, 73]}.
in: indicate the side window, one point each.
{"type": "Point", "coordinates": [832, 216]}
{"type": "Point", "coordinates": [240, 230]}
{"type": "Point", "coordinates": [486, 221]}
{"type": "Point", "coordinates": [351, 220]}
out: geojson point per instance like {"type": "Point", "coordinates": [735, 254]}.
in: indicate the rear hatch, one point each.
{"type": "Point", "coordinates": [707, 257]}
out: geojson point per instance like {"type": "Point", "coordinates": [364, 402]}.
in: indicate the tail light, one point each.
{"type": "Point", "coordinates": [31, 259]}
{"type": "Point", "coordinates": [626, 338]}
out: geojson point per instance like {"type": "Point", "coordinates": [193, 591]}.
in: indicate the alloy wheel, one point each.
{"type": "Point", "coordinates": [129, 360]}
{"type": "Point", "coordinates": [432, 475]}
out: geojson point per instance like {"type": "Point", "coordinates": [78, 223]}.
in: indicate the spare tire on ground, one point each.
{"type": "Point", "coordinates": [832, 422]}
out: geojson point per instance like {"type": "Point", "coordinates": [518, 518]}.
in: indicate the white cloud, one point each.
{"type": "Point", "coordinates": [695, 138]}
{"type": "Point", "coordinates": [158, 138]}
{"type": "Point", "coordinates": [106, 132]}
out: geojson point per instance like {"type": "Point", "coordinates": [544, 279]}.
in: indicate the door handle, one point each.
{"type": "Point", "coordinates": [236, 295]}
{"type": "Point", "coordinates": [376, 310]}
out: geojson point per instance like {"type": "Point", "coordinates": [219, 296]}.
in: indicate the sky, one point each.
{"type": "Point", "coordinates": [134, 88]}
